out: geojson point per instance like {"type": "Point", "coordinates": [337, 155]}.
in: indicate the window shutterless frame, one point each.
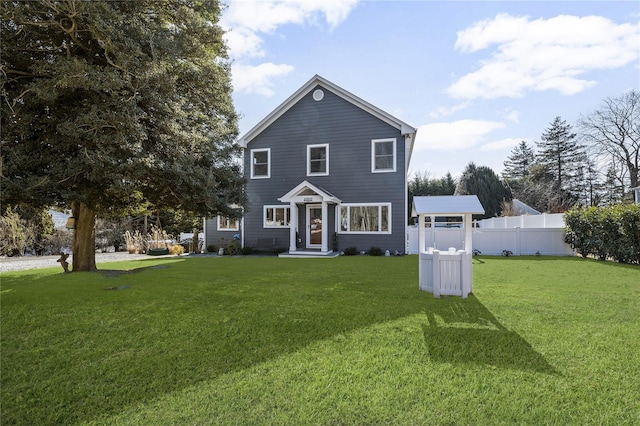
{"type": "Point", "coordinates": [318, 160]}
{"type": "Point", "coordinates": [261, 163]}
{"type": "Point", "coordinates": [383, 155]}
{"type": "Point", "coordinates": [276, 216]}
{"type": "Point", "coordinates": [226, 223]}
{"type": "Point", "coordinates": [364, 218]}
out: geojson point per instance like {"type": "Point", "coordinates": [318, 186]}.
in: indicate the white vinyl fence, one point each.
{"type": "Point", "coordinates": [492, 241]}
{"type": "Point", "coordinates": [544, 220]}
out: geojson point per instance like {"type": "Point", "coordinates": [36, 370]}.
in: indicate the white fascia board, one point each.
{"type": "Point", "coordinates": [446, 205]}
{"type": "Point", "coordinates": [292, 195]}
{"type": "Point", "coordinates": [405, 129]}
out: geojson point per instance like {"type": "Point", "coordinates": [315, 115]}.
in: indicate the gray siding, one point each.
{"type": "Point", "coordinates": [217, 238]}
{"type": "Point", "coordinates": [349, 131]}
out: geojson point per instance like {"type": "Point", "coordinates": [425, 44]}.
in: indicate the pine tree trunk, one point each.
{"type": "Point", "coordinates": [84, 240]}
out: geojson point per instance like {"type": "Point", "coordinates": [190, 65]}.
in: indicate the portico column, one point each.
{"type": "Point", "coordinates": [325, 230]}
{"type": "Point", "coordinates": [293, 224]}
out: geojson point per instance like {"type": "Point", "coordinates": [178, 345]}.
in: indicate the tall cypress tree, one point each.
{"type": "Point", "coordinates": [112, 104]}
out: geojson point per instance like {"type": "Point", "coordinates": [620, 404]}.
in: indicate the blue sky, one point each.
{"type": "Point", "coordinates": [474, 77]}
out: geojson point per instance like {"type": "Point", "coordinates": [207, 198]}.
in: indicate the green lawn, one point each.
{"type": "Point", "coordinates": [349, 340]}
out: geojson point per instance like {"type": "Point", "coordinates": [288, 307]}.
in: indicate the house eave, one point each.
{"type": "Point", "coordinates": [405, 129]}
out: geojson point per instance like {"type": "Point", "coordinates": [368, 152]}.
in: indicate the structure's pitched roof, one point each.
{"type": "Point", "coordinates": [521, 208]}
{"type": "Point", "coordinates": [307, 188]}
{"type": "Point", "coordinates": [405, 129]}
{"type": "Point", "coordinates": [447, 205]}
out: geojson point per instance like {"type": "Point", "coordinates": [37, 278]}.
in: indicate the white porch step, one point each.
{"type": "Point", "coordinates": [309, 254]}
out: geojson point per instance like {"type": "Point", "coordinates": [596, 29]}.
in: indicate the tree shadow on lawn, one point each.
{"type": "Point", "coordinates": [162, 334]}
{"type": "Point", "coordinates": [465, 332]}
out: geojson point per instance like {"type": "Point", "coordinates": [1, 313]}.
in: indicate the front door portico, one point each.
{"type": "Point", "coordinates": [315, 213]}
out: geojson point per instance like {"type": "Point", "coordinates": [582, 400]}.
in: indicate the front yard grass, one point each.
{"type": "Point", "coordinates": [349, 340]}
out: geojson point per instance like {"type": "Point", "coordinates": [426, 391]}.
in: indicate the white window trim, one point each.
{"type": "Point", "coordinates": [379, 205]}
{"type": "Point", "coordinates": [373, 155]}
{"type": "Point", "coordinates": [252, 158]}
{"type": "Point", "coordinates": [222, 228]}
{"type": "Point", "coordinates": [321, 145]}
{"type": "Point", "coordinates": [275, 206]}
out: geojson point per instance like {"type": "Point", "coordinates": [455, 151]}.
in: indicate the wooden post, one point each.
{"type": "Point", "coordinates": [421, 234]}
{"type": "Point", "coordinates": [436, 273]}
{"type": "Point", "coordinates": [465, 273]}
{"type": "Point", "coordinates": [468, 233]}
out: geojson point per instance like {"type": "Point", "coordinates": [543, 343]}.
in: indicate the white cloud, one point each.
{"type": "Point", "coordinates": [247, 19]}
{"type": "Point", "coordinates": [455, 135]}
{"type": "Point", "coordinates": [258, 79]}
{"type": "Point", "coordinates": [513, 116]}
{"type": "Point", "coordinates": [247, 22]}
{"type": "Point", "coordinates": [551, 54]}
{"type": "Point", "coordinates": [500, 144]}
{"type": "Point", "coordinates": [445, 111]}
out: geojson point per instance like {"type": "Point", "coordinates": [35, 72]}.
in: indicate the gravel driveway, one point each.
{"type": "Point", "coordinates": [22, 263]}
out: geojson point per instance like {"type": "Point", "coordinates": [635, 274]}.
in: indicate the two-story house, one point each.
{"type": "Point", "coordinates": [325, 171]}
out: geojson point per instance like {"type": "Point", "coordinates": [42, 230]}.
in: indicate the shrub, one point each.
{"type": "Point", "coordinates": [350, 251]}
{"type": "Point", "coordinates": [247, 251]}
{"type": "Point", "coordinates": [375, 251]}
{"type": "Point", "coordinates": [233, 248]}
{"type": "Point", "coordinates": [15, 234]}
{"type": "Point", "coordinates": [135, 242]}
{"type": "Point", "coordinates": [211, 248]}
{"type": "Point", "coordinates": [605, 232]}
{"type": "Point", "coordinates": [176, 249]}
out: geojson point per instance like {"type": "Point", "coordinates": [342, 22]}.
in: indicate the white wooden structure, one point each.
{"type": "Point", "coordinates": [636, 194]}
{"type": "Point", "coordinates": [446, 273]}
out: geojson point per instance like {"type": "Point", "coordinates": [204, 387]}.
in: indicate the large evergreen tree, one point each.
{"type": "Point", "coordinates": [519, 162]}
{"type": "Point", "coordinates": [561, 155]}
{"type": "Point", "coordinates": [484, 182]}
{"type": "Point", "coordinates": [110, 104]}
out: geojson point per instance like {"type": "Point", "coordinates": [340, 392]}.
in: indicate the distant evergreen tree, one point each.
{"type": "Point", "coordinates": [561, 155]}
{"type": "Point", "coordinates": [422, 184]}
{"type": "Point", "coordinates": [484, 182]}
{"type": "Point", "coordinates": [519, 162]}
{"type": "Point", "coordinates": [447, 185]}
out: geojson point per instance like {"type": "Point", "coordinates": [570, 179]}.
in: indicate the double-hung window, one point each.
{"type": "Point", "coordinates": [383, 155]}
{"type": "Point", "coordinates": [318, 160]}
{"type": "Point", "coordinates": [260, 163]}
{"type": "Point", "coordinates": [226, 223]}
{"type": "Point", "coordinates": [366, 218]}
{"type": "Point", "coordinates": [276, 217]}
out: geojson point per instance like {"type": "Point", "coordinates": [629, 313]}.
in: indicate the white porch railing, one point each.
{"type": "Point", "coordinates": [445, 273]}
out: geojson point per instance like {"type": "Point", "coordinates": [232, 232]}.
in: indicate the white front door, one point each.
{"type": "Point", "coordinates": [315, 222]}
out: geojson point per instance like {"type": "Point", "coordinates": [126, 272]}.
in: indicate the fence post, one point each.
{"type": "Point", "coordinates": [436, 273]}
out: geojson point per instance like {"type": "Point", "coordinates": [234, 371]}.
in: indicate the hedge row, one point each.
{"type": "Point", "coordinates": [605, 232]}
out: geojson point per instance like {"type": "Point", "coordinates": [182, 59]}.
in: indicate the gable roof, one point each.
{"type": "Point", "coordinates": [446, 205]}
{"type": "Point", "coordinates": [307, 189]}
{"type": "Point", "coordinates": [405, 129]}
